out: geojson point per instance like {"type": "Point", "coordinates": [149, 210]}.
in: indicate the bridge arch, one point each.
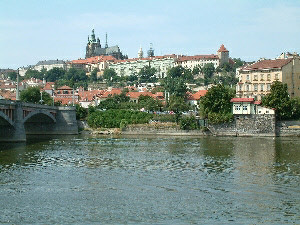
{"type": "Point", "coordinates": [5, 120]}
{"type": "Point", "coordinates": [39, 116]}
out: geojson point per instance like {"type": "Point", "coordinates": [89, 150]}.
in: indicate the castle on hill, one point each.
{"type": "Point", "coordinates": [94, 48]}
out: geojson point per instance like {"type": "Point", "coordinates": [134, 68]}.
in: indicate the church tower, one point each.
{"type": "Point", "coordinates": [151, 51]}
{"type": "Point", "coordinates": [140, 53]}
{"type": "Point", "coordinates": [92, 45]}
{"type": "Point", "coordinates": [223, 55]}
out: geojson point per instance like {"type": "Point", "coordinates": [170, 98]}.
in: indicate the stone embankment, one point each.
{"type": "Point", "coordinates": [243, 125]}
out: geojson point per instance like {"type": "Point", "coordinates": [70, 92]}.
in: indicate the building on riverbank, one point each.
{"type": "Point", "coordinates": [255, 80]}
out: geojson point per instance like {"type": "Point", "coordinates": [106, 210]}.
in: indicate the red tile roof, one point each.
{"type": "Point", "coordinates": [242, 100]}
{"type": "Point", "coordinates": [138, 94]}
{"type": "Point", "coordinates": [222, 49]}
{"type": "Point", "coordinates": [113, 92]}
{"type": "Point", "coordinates": [95, 59]}
{"type": "Point", "coordinates": [150, 58]}
{"type": "Point", "coordinates": [197, 57]}
{"type": "Point", "coordinates": [197, 95]}
{"type": "Point", "coordinates": [268, 64]}
{"type": "Point", "coordinates": [64, 88]}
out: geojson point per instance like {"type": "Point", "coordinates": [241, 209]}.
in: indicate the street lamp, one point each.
{"type": "Point", "coordinates": [41, 101]}
{"type": "Point", "coordinates": [17, 93]}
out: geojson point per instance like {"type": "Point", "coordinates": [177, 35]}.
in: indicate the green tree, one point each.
{"type": "Point", "coordinates": [208, 71]}
{"type": "Point", "coordinates": [93, 76]}
{"type": "Point", "coordinates": [54, 74]}
{"type": "Point", "coordinates": [81, 113]}
{"type": "Point", "coordinates": [147, 74]}
{"type": "Point", "coordinates": [149, 103]}
{"type": "Point", "coordinates": [177, 105]}
{"type": "Point", "coordinates": [175, 80]}
{"type": "Point", "coordinates": [30, 73]}
{"type": "Point", "coordinates": [12, 75]}
{"type": "Point", "coordinates": [278, 98]}
{"type": "Point", "coordinates": [33, 95]}
{"type": "Point", "coordinates": [196, 70]}
{"type": "Point", "coordinates": [217, 100]}
{"type": "Point", "coordinates": [110, 75]}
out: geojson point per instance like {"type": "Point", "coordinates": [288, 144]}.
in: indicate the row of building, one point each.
{"type": "Point", "coordinates": [127, 67]}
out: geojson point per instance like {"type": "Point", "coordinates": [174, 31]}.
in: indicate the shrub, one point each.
{"type": "Point", "coordinates": [123, 124]}
{"type": "Point", "coordinates": [215, 118]}
{"type": "Point", "coordinates": [188, 123]}
{"type": "Point", "coordinates": [112, 118]}
{"type": "Point", "coordinates": [164, 118]}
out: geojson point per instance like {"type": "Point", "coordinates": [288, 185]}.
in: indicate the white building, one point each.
{"type": "Point", "coordinates": [190, 62]}
{"type": "Point", "coordinates": [129, 67]}
{"type": "Point", "coordinates": [242, 106]}
{"type": "Point", "coordinates": [50, 64]}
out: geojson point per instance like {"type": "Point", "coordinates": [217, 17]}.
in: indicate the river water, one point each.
{"type": "Point", "coordinates": [150, 180]}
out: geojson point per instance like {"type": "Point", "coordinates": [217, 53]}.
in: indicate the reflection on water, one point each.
{"type": "Point", "coordinates": [134, 180]}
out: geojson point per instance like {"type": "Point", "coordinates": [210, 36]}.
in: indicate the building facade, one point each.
{"type": "Point", "coordinates": [132, 66]}
{"type": "Point", "coordinates": [255, 80]}
{"type": "Point", "coordinates": [190, 62]}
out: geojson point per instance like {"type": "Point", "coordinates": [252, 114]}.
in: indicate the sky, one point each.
{"type": "Point", "coordinates": [35, 30]}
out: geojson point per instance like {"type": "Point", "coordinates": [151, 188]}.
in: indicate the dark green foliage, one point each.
{"type": "Point", "coordinates": [112, 118]}
{"type": "Point", "coordinates": [149, 103]}
{"type": "Point", "coordinates": [33, 95]}
{"type": "Point", "coordinates": [93, 76]}
{"type": "Point", "coordinates": [123, 124]}
{"type": "Point", "coordinates": [12, 75]}
{"type": "Point", "coordinates": [208, 71]}
{"type": "Point", "coordinates": [164, 118]}
{"type": "Point", "coordinates": [177, 105]}
{"type": "Point", "coordinates": [76, 75]}
{"type": "Point", "coordinates": [217, 100]}
{"type": "Point", "coordinates": [54, 74]}
{"type": "Point", "coordinates": [188, 123]}
{"type": "Point", "coordinates": [215, 118]}
{"type": "Point", "coordinates": [175, 81]}
{"type": "Point", "coordinates": [33, 73]}
{"type": "Point", "coordinates": [115, 102]}
{"type": "Point", "coordinates": [227, 79]}
{"type": "Point", "coordinates": [146, 74]}
{"type": "Point", "coordinates": [110, 75]}
{"type": "Point", "coordinates": [81, 113]}
{"type": "Point", "coordinates": [278, 98]}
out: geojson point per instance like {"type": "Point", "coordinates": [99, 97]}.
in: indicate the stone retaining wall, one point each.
{"type": "Point", "coordinates": [161, 129]}
{"type": "Point", "coordinates": [246, 125]}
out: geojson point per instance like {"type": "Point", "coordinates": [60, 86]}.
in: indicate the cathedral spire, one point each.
{"type": "Point", "coordinates": [93, 36]}
{"type": "Point", "coordinates": [106, 45]}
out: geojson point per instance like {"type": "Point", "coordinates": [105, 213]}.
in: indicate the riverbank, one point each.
{"type": "Point", "coordinates": [283, 129]}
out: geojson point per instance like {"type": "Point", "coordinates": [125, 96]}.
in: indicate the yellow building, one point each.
{"type": "Point", "coordinates": [255, 80]}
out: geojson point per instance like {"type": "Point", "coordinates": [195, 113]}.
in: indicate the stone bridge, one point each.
{"type": "Point", "coordinates": [17, 119]}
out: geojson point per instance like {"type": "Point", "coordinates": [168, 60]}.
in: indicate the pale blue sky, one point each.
{"type": "Point", "coordinates": [34, 30]}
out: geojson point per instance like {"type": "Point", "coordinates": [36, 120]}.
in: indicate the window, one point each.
{"type": "Point", "coordinates": [255, 87]}
{"type": "Point", "coordinates": [247, 87]}
{"type": "Point", "coordinates": [261, 77]}
{"type": "Point", "coordinates": [267, 111]}
{"type": "Point", "coordinates": [255, 77]}
{"type": "Point", "coordinates": [262, 87]}
{"type": "Point", "coordinates": [276, 76]}
{"type": "Point", "coordinates": [248, 77]}
{"type": "Point", "coordinates": [237, 108]}
{"type": "Point", "coordinates": [268, 87]}
{"type": "Point", "coordinates": [269, 77]}
{"type": "Point", "coordinates": [245, 107]}
{"type": "Point", "coordinates": [240, 87]}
